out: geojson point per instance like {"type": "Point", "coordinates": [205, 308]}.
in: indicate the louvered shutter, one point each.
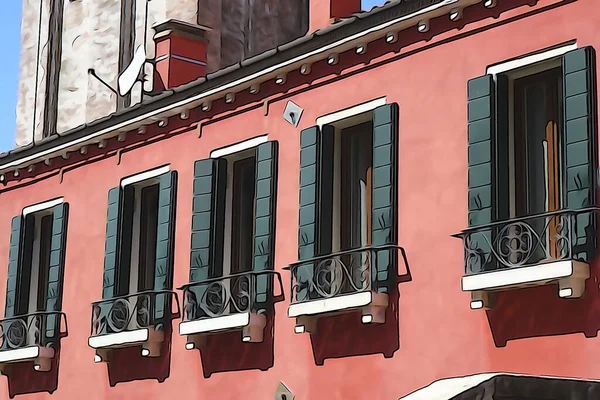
{"type": "Point", "coordinates": [60, 216]}
{"type": "Point", "coordinates": [384, 203]}
{"type": "Point", "coordinates": [264, 220]}
{"type": "Point", "coordinates": [13, 267]}
{"type": "Point", "coordinates": [580, 127]}
{"type": "Point", "coordinates": [481, 127]}
{"type": "Point", "coordinates": [208, 213]}
{"type": "Point", "coordinates": [165, 242]}
{"type": "Point", "coordinates": [315, 202]}
{"type": "Point", "coordinates": [111, 244]}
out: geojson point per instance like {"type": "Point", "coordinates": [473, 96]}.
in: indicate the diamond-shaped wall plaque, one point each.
{"type": "Point", "coordinates": [292, 113]}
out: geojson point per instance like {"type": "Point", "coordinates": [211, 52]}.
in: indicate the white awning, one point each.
{"type": "Point", "coordinates": [448, 389]}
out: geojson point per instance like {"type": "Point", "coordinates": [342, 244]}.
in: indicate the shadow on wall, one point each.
{"type": "Point", "coordinates": [345, 335]}
{"type": "Point", "coordinates": [127, 364]}
{"type": "Point", "coordinates": [225, 352]}
{"type": "Point", "coordinates": [538, 311]}
{"type": "Point", "coordinates": [23, 379]}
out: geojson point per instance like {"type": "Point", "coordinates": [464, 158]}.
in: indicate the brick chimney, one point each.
{"type": "Point", "coordinates": [180, 55]}
{"type": "Point", "coordinates": [322, 12]}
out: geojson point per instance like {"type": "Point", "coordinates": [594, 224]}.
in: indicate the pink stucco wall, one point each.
{"type": "Point", "coordinates": [439, 336]}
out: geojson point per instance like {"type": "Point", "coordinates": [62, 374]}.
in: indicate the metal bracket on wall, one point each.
{"type": "Point", "coordinates": [61, 174]}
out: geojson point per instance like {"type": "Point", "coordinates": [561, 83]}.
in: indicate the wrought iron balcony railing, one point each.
{"type": "Point", "coordinates": [528, 241]}
{"type": "Point", "coordinates": [341, 273]}
{"type": "Point", "coordinates": [43, 329]}
{"type": "Point", "coordinates": [149, 309]}
{"type": "Point", "coordinates": [238, 293]}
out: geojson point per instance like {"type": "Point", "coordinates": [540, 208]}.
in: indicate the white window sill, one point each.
{"type": "Point", "coordinates": [338, 303]}
{"type": "Point", "coordinates": [119, 339]}
{"type": "Point", "coordinates": [371, 304]}
{"type": "Point", "coordinates": [570, 276]}
{"type": "Point", "coordinates": [148, 338]}
{"type": "Point", "coordinates": [216, 324]}
{"type": "Point", "coordinates": [25, 354]}
{"type": "Point", "coordinates": [251, 324]}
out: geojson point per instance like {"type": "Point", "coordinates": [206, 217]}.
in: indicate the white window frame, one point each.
{"type": "Point", "coordinates": [518, 68]}
{"type": "Point", "coordinates": [233, 153]}
{"type": "Point", "coordinates": [139, 182]}
{"type": "Point", "coordinates": [341, 120]}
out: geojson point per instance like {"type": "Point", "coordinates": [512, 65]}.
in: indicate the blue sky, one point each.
{"type": "Point", "coordinates": [367, 4]}
{"type": "Point", "coordinates": [10, 31]}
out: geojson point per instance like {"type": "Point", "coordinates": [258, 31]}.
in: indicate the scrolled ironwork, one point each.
{"type": "Point", "coordinates": [236, 293]}
{"type": "Point", "coordinates": [134, 311]}
{"type": "Point", "coordinates": [336, 274]}
{"type": "Point", "coordinates": [522, 242]}
{"type": "Point", "coordinates": [35, 329]}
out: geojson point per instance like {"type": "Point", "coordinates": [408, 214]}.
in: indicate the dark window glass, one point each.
{"type": "Point", "coordinates": [148, 230]}
{"type": "Point", "coordinates": [538, 124]}
{"type": "Point", "coordinates": [242, 218]}
{"type": "Point", "coordinates": [355, 191]}
{"type": "Point", "coordinates": [44, 257]}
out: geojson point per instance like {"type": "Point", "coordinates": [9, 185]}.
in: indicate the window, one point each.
{"type": "Point", "coordinates": [348, 202]}
{"type": "Point", "coordinates": [137, 284]}
{"type": "Point", "coordinates": [35, 271]}
{"type": "Point", "coordinates": [233, 226]}
{"type": "Point", "coordinates": [356, 160]}
{"type": "Point", "coordinates": [33, 282]}
{"type": "Point", "coordinates": [352, 191]}
{"type": "Point", "coordinates": [138, 264]}
{"type": "Point", "coordinates": [233, 243]}
{"type": "Point", "coordinates": [532, 156]}
{"type": "Point", "coordinates": [536, 149]}
{"type": "Point", "coordinates": [241, 185]}
{"type": "Point", "coordinates": [536, 112]}
{"type": "Point", "coordinates": [142, 222]}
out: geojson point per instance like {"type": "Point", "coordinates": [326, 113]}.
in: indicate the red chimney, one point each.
{"type": "Point", "coordinates": [323, 11]}
{"type": "Point", "coordinates": [180, 55]}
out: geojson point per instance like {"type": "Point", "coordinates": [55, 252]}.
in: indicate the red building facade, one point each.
{"type": "Point", "coordinates": [289, 220]}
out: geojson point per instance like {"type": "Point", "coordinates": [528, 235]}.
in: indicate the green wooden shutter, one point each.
{"type": "Point", "coordinates": [264, 219]}
{"type": "Point", "coordinates": [580, 126]}
{"type": "Point", "coordinates": [481, 126]}
{"type": "Point", "coordinates": [125, 226]}
{"type": "Point", "coordinates": [384, 204]}
{"type": "Point", "coordinates": [111, 247]}
{"type": "Point", "coordinates": [13, 267]}
{"type": "Point", "coordinates": [165, 241]}
{"type": "Point", "coordinates": [315, 203]}
{"type": "Point", "coordinates": [309, 205]}
{"type": "Point", "coordinates": [208, 213]}
{"type": "Point", "coordinates": [60, 216]}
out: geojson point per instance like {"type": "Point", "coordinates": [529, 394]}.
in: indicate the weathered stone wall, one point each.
{"type": "Point", "coordinates": [90, 34]}
{"type": "Point", "coordinates": [33, 65]}
{"type": "Point", "coordinates": [244, 28]}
